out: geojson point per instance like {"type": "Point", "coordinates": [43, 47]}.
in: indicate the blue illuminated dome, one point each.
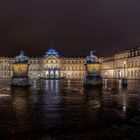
{"type": "Point", "coordinates": [52, 52]}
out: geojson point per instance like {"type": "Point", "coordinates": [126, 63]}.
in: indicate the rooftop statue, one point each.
{"type": "Point", "coordinates": [21, 58]}
{"type": "Point", "coordinates": [91, 58]}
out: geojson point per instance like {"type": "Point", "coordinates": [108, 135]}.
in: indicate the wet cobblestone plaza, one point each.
{"type": "Point", "coordinates": [59, 109]}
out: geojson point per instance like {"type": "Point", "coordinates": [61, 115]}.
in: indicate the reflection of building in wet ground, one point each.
{"type": "Point", "coordinates": [93, 96]}
{"type": "Point", "coordinates": [58, 108]}
{"type": "Point", "coordinates": [52, 66]}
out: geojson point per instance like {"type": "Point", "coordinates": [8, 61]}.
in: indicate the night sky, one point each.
{"type": "Point", "coordinates": [75, 26]}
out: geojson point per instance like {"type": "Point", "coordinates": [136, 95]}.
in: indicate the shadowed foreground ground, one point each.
{"type": "Point", "coordinates": [66, 110]}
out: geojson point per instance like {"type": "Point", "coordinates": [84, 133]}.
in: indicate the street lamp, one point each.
{"type": "Point", "coordinates": [124, 80]}
{"type": "Point", "coordinates": [124, 68]}
{"type": "Point", "coordinates": [105, 75]}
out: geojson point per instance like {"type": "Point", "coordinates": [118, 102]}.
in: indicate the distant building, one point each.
{"type": "Point", "coordinates": [53, 65]}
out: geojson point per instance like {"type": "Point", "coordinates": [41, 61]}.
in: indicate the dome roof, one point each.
{"type": "Point", "coordinates": [52, 52]}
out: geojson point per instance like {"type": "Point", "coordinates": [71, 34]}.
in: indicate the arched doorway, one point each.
{"type": "Point", "coordinates": [52, 73]}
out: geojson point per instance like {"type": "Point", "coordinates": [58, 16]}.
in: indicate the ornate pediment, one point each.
{"type": "Point", "coordinates": [52, 57]}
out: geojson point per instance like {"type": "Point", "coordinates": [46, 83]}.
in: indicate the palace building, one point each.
{"type": "Point", "coordinates": [52, 65]}
{"type": "Point", "coordinates": [124, 64]}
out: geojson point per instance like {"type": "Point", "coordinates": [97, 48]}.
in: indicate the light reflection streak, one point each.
{"type": "Point", "coordinates": [34, 83]}
{"type": "Point", "coordinates": [105, 83]}
{"type": "Point", "coordinates": [4, 92]}
{"type": "Point", "coordinates": [120, 84]}
{"type": "Point", "coordinates": [46, 85]}
{"type": "Point", "coordinates": [4, 95]}
{"type": "Point", "coordinates": [19, 104]}
{"type": "Point", "coordinates": [124, 97]}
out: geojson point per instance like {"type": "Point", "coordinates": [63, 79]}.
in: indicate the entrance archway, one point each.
{"type": "Point", "coordinates": [52, 73]}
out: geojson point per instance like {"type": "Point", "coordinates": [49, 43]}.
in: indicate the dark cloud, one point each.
{"type": "Point", "coordinates": [75, 26]}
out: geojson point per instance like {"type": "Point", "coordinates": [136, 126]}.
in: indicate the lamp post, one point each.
{"type": "Point", "coordinates": [124, 68]}
{"type": "Point", "coordinates": [105, 75]}
{"type": "Point", "coordinates": [124, 80]}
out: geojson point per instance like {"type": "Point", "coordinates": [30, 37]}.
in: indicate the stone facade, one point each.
{"type": "Point", "coordinates": [48, 66]}
{"type": "Point", "coordinates": [5, 67]}
{"type": "Point", "coordinates": [118, 65]}
{"type": "Point", "coordinates": [52, 67]}
{"type": "Point", "coordinates": [125, 64]}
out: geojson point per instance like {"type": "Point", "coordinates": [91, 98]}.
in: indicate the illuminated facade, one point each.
{"type": "Point", "coordinates": [53, 65]}
{"type": "Point", "coordinates": [125, 64]}
{"type": "Point", "coordinates": [50, 66]}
